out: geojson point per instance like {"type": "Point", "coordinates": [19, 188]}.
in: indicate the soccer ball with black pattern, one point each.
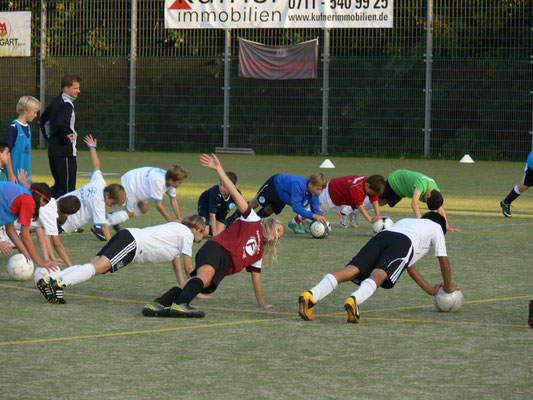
{"type": "Point", "coordinates": [382, 223]}
{"type": "Point", "coordinates": [319, 230]}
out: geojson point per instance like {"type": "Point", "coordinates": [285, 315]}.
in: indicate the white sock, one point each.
{"type": "Point", "coordinates": [366, 289]}
{"type": "Point", "coordinates": [137, 212]}
{"type": "Point", "coordinates": [516, 190]}
{"type": "Point", "coordinates": [77, 274]}
{"type": "Point", "coordinates": [324, 287]}
{"type": "Point", "coordinates": [347, 210]}
{"type": "Point", "coordinates": [117, 217]}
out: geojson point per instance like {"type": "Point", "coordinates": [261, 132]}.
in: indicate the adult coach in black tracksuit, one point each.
{"type": "Point", "coordinates": [58, 125]}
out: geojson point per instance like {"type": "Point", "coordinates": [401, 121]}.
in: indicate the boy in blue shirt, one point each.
{"type": "Point", "coordinates": [296, 191]}
{"type": "Point", "coordinates": [527, 181]}
{"type": "Point", "coordinates": [214, 205]}
{"type": "Point", "coordinates": [18, 137]}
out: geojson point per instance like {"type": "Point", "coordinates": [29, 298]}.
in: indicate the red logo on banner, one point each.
{"type": "Point", "coordinates": [180, 5]}
{"type": "Point", "coordinates": [3, 29]}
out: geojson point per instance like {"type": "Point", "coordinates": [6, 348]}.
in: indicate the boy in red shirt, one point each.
{"type": "Point", "coordinates": [349, 191]}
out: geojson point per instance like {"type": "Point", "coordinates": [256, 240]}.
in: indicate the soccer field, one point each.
{"type": "Point", "coordinates": [99, 346]}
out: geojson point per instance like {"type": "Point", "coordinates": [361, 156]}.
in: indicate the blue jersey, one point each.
{"type": "Point", "coordinates": [212, 202]}
{"type": "Point", "coordinates": [8, 193]}
{"type": "Point", "coordinates": [292, 190]}
{"type": "Point", "coordinates": [530, 161]}
{"type": "Point", "coordinates": [18, 138]}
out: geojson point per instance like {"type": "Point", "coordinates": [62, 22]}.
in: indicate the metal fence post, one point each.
{"type": "Point", "coordinates": [133, 71]}
{"type": "Point", "coordinates": [227, 79]}
{"type": "Point", "coordinates": [325, 92]}
{"type": "Point", "coordinates": [42, 72]}
{"type": "Point", "coordinates": [429, 61]}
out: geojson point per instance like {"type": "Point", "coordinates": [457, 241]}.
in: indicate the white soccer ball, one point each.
{"type": "Point", "coordinates": [448, 302]}
{"type": "Point", "coordinates": [18, 268]}
{"type": "Point", "coordinates": [41, 273]}
{"type": "Point", "coordinates": [382, 223]}
{"type": "Point", "coordinates": [319, 229]}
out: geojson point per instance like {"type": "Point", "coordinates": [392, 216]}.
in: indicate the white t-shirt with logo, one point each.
{"type": "Point", "coordinates": [92, 201]}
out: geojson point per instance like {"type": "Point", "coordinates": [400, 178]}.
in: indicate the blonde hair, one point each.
{"type": "Point", "coordinates": [194, 221]}
{"type": "Point", "coordinates": [318, 179]}
{"type": "Point", "coordinates": [116, 192]}
{"type": "Point", "coordinates": [27, 103]}
{"type": "Point", "coordinates": [270, 239]}
{"type": "Point", "coordinates": [176, 173]}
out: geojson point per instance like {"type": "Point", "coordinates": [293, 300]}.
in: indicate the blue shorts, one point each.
{"type": "Point", "coordinates": [267, 196]}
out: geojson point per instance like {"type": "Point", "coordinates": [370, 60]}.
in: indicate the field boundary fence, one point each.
{"type": "Point", "coordinates": [452, 77]}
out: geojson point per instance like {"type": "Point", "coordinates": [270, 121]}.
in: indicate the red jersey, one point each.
{"type": "Point", "coordinates": [349, 191]}
{"type": "Point", "coordinates": [24, 207]}
{"type": "Point", "coordinates": [244, 240]}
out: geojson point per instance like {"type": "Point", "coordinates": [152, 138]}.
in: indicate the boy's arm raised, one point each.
{"type": "Point", "coordinates": [91, 143]}
{"type": "Point", "coordinates": [212, 162]}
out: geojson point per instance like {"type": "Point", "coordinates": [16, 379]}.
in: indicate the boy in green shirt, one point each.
{"type": "Point", "coordinates": [416, 186]}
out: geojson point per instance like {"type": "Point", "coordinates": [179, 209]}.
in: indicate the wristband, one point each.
{"type": "Point", "coordinates": [93, 146]}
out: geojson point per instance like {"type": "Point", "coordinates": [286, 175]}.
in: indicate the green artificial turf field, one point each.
{"type": "Point", "coordinates": [99, 346]}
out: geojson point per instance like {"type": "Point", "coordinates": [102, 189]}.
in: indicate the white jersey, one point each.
{"type": "Point", "coordinates": [92, 201]}
{"type": "Point", "coordinates": [147, 183]}
{"type": "Point", "coordinates": [424, 234]}
{"type": "Point", "coordinates": [47, 219]}
{"type": "Point", "coordinates": [161, 243]}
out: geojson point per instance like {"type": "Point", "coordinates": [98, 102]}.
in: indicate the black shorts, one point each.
{"type": "Point", "coordinates": [390, 195]}
{"type": "Point", "coordinates": [120, 250]}
{"type": "Point", "coordinates": [389, 251]}
{"type": "Point", "coordinates": [527, 180]}
{"type": "Point", "coordinates": [267, 196]}
{"type": "Point", "coordinates": [213, 254]}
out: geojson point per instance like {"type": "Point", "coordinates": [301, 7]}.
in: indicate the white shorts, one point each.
{"type": "Point", "coordinates": [327, 204]}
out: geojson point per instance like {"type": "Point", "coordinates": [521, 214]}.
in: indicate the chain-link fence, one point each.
{"type": "Point", "coordinates": [464, 86]}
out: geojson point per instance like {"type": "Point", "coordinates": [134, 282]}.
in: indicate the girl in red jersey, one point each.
{"type": "Point", "coordinates": [239, 246]}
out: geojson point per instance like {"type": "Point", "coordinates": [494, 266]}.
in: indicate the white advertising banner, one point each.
{"type": "Point", "coordinates": [15, 34]}
{"type": "Point", "coordinates": [193, 14]}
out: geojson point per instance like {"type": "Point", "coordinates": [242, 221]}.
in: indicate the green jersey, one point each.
{"type": "Point", "coordinates": [404, 183]}
{"type": "Point", "coordinates": [3, 175]}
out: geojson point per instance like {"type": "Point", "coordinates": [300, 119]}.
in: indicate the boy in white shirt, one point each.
{"type": "Point", "coordinates": [381, 262]}
{"type": "Point", "coordinates": [93, 197]}
{"type": "Point", "coordinates": [154, 244]}
{"type": "Point", "coordinates": [46, 224]}
{"type": "Point", "coordinates": [145, 184]}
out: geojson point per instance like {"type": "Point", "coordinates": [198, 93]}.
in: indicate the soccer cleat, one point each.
{"type": "Point", "coordinates": [184, 311]}
{"type": "Point", "coordinates": [51, 290]}
{"type": "Point", "coordinates": [343, 220]}
{"type": "Point", "coordinates": [353, 220]}
{"type": "Point", "coordinates": [506, 209]}
{"type": "Point", "coordinates": [154, 309]}
{"type": "Point", "coordinates": [98, 233]}
{"type": "Point", "coordinates": [351, 307]}
{"type": "Point", "coordinates": [296, 228]}
{"type": "Point", "coordinates": [116, 227]}
{"type": "Point", "coordinates": [79, 230]}
{"type": "Point", "coordinates": [306, 226]}
{"type": "Point", "coordinates": [306, 306]}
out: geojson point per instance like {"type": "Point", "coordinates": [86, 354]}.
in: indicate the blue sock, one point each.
{"type": "Point", "coordinates": [512, 195]}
